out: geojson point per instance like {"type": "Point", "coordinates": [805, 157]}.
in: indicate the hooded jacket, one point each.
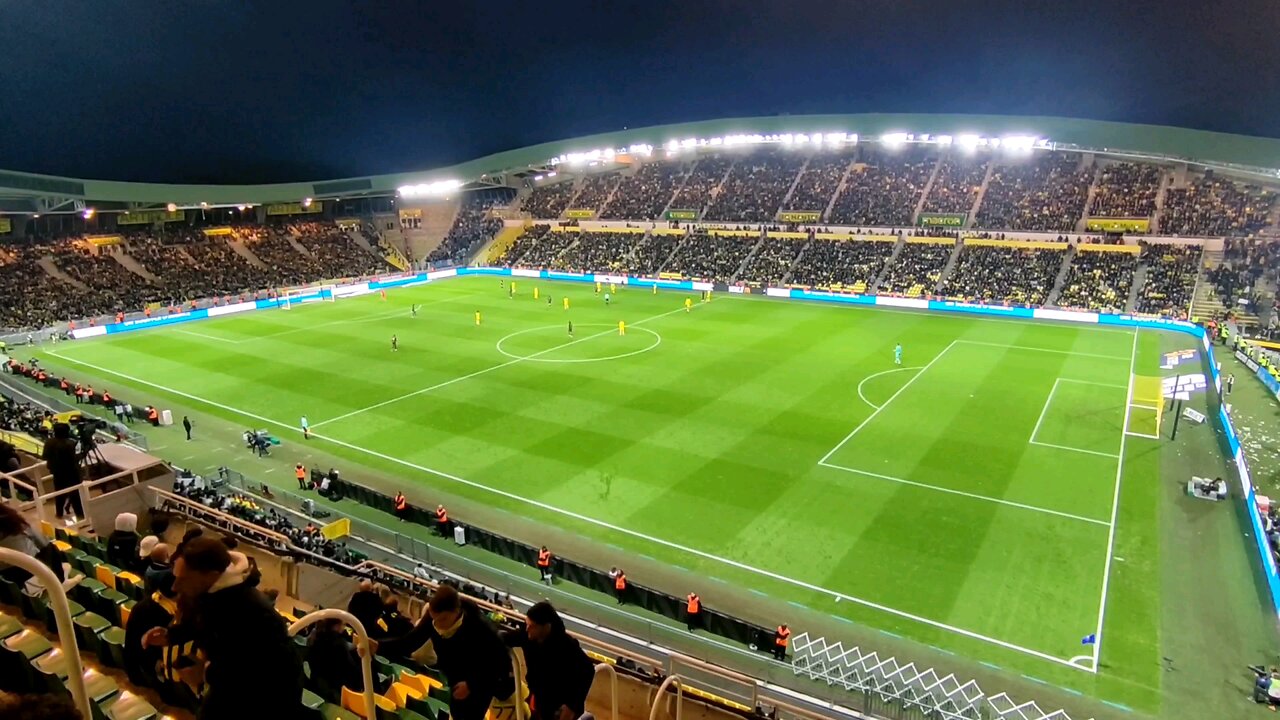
{"type": "Point", "coordinates": [557, 670]}
{"type": "Point", "coordinates": [122, 544]}
{"type": "Point", "coordinates": [248, 648]}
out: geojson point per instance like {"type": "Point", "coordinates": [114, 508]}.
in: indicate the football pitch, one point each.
{"type": "Point", "coordinates": [969, 498]}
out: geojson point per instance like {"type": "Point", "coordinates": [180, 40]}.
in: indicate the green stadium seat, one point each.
{"type": "Point", "coordinates": [330, 711]}
{"type": "Point", "coordinates": [310, 700]}
{"type": "Point", "coordinates": [127, 706]}
{"type": "Point", "coordinates": [9, 626]}
{"type": "Point", "coordinates": [88, 588]}
{"type": "Point", "coordinates": [48, 618]}
{"type": "Point", "coordinates": [112, 647]}
{"type": "Point", "coordinates": [16, 654]}
{"type": "Point", "coordinates": [109, 602]}
{"type": "Point", "coordinates": [88, 627]}
{"type": "Point", "coordinates": [407, 714]}
{"type": "Point", "coordinates": [10, 593]}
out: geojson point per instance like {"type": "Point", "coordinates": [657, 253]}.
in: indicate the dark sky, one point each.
{"type": "Point", "coordinates": [275, 90]}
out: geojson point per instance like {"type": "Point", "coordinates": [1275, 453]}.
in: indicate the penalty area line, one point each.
{"type": "Point", "coordinates": [876, 375]}
{"type": "Point", "coordinates": [608, 526]}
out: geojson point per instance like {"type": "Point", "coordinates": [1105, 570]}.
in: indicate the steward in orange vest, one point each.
{"type": "Point", "coordinates": [544, 564]}
{"type": "Point", "coordinates": [693, 611]}
{"type": "Point", "coordinates": [780, 638]}
{"type": "Point", "coordinates": [442, 521]}
{"type": "Point", "coordinates": [401, 506]}
{"type": "Point", "coordinates": [300, 472]}
{"type": "Point", "coordinates": [620, 585]}
{"type": "Point", "coordinates": [153, 416]}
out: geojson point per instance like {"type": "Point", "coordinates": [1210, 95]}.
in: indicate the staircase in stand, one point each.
{"type": "Point", "coordinates": [1139, 279]}
{"type": "Point", "coordinates": [786, 279]}
{"type": "Point", "coordinates": [746, 262]}
{"type": "Point", "coordinates": [1083, 222]}
{"type": "Point", "coordinates": [52, 270]}
{"type": "Point", "coordinates": [901, 242]}
{"type": "Point", "coordinates": [982, 192]}
{"type": "Point", "coordinates": [129, 263]}
{"type": "Point", "coordinates": [1067, 258]}
{"type": "Point", "coordinates": [292, 237]}
{"type": "Point", "coordinates": [951, 265]}
{"type": "Point", "coordinates": [243, 251]}
{"type": "Point", "coordinates": [844, 180]}
{"type": "Point", "coordinates": [924, 194]}
{"type": "Point", "coordinates": [715, 191]}
{"type": "Point", "coordinates": [795, 182]}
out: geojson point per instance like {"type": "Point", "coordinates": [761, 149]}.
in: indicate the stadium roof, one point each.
{"type": "Point", "coordinates": [1255, 156]}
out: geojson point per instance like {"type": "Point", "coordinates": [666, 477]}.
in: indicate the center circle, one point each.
{"type": "Point", "coordinates": [542, 355]}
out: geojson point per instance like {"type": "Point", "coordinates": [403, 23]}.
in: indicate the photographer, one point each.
{"type": "Point", "coordinates": [61, 458]}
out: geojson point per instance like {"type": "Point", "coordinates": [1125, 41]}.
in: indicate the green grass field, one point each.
{"type": "Point", "coordinates": [967, 499]}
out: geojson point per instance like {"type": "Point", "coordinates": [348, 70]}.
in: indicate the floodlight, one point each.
{"type": "Point", "coordinates": [171, 207]}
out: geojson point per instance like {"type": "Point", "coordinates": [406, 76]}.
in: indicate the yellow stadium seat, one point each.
{"type": "Point", "coordinates": [105, 576]}
{"type": "Point", "coordinates": [64, 547]}
{"type": "Point", "coordinates": [353, 701]}
{"type": "Point", "coordinates": [46, 529]}
{"type": "Point", "coordinates": [421, 684]}
{"type": "Point", "coordinates": [400, 694]}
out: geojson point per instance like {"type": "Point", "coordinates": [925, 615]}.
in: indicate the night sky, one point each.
{"type": "Point", "coordinates": [246, 92]}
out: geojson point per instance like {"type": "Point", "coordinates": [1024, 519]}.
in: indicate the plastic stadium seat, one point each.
{"type": "Point", "coordinates": [50, 621]}
{"type": "Point", "coordinates": [108, 602]}
{"type": "Point", "coordinates": [125, 609]}
{"type": "Point", "coordinates": [88, 627]}
{"type": "Point", "coordinates": [63, 545]}
{"type": "Point", "coordinates": [9, 626]}
{"type": "Point", "coordinates": [407, 714]}
{"type": "Point", "coordinates": [399, 693]}
{"type": "Point", "coordinates": [16, 654]}
{"type": "Point", "coordinates": [46, 529]}
{"type": "Point", "coordinates": [127, 706]}
{"type": "Point", "coordinates": [130, 584]}
{"type": "Point", "coordinates": [310, 700]}
{"type": "Point", "coordinates": [106, 575]}
{"type": "Point", "coordinates": [10, 593]}
{"type": "Point", "coordinates": [112, 647]}
{"type": "Point", "coordinates": [428, 707]}
{"type": "Point", "coordinates": [354, 702]}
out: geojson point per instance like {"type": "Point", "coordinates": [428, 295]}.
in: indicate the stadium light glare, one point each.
{"type": "Point", "coordinates": [306, 202]}
{"type": "Point", "coordinates": [894, 139]}
{"type": "Point", "coordinates": [204, 205]}
{"type": "Point", "coordinates": [945, 140]}
{"type": "Point", "coordinates": [88, 213]}
{"type": "Point", "coordinates": [968, 140]}
{"type": "Point", "coordinates": [1018, 142]}
{"type": "Point", "coordinates": [171, 207]}
{"type": "Point", "coordinates": [432, 189]}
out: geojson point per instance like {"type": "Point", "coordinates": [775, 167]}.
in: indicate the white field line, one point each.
{"type": "Point", "coordinates": [876, 375]}
{"type": "Point", "coordinates": [380, 316]}
{"type": "Point", "coordinates": [1115, 508]}
{"type": "Point", "coordinates": [974, 496]}
{"type": "Point", "coordinates": [600, 523]}
{"type": "Point", "coordinates": [876, 412]}
{"type": "Point", "coordinates": [482, 371]}
{"type": "Point", "coordinates": [1048, 401]}
{"type": "Point", "coordinates": [1040, 349]}
{"type": "Point", "coordinates": [208, 337]}
{"type": "Point", "coordinates": [1045, 410]}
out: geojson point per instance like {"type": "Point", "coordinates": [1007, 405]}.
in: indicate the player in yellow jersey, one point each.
{"type": "Point", "coordinates": [688, 304]}
{"type": "Point", "coordinates": [597, 288]}
{"type": "Point", "coordinates": [613, 288]}
{"type": "Point", "coordinates": [622, 327]}
{"type": "Point", "coordinates": [566, 303]}
{"type": "Point", "coordinates": [477, 318]}
{"type": "Point", "coordinates": [535, 293]}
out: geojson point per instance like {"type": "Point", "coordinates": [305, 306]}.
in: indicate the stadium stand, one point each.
{"type": "Point", "coordinates": [842, 264]}
{"type": "Point", "coordinates": [1244, 263]}
{"type": "Point", "coordinates": [549, 199]}
{"type": "Point", "coordinates": [917, 268]}
{"type": "Point", "coordinates": [773, 260]}
{"type": "Point", "coordinates": [882, 189]}
{"type": "Point", "coordinates": [336, 255]}
{"type": "Point", "coordinates": [756, 186]}
{"type": "Point", "coordinates": [537, 246]}
{"type": "Point", "coordinates": [471, 230]}
{"type": "Point", "coordinates": [1045, 193]}
{"type": "Point", "coordinates": [1171, 278]}
{"type": "Point", "coordinates": [598, 252]}
{"type": "Point", "coordinates": [596, 189]}
{"type": "Point", "coordinates": [1099, 280]}
{"type": "Point", "coordinates": [1216, 206]}
{"type": "Point", "coordinates": [956, 186]}
{"type": "Point", "coordinates": [648, 257]}
{"type": "Point", "coordinates": [994, 274]}
{"type": "Point", "coordinates": [645, 195]}
{"type": "Point", "coordinates": [710, 257]}
{"type": "Point", "coordinates": [819, 182]}
{"type": "Point", "coordinates": [1126, 189]}
{"type": "Point", "coordinates": [705, 177]}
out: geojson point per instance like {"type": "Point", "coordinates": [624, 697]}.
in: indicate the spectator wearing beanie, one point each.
{"type": "Point", "coordinates": [122, 544]}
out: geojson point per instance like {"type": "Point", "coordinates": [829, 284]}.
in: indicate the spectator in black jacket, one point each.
{"type": "Point", "coordinates": [252, 664]}
{"type": "Point", "coordinates": [155, 611]}
{"type": "Point", "coordinates": [333, 660]}
{"type": "Point", "coordinates": [468, 651]}
{"type": "Point", "coordinates": [60, 456]}
{"type": "Point", "coordinates": [122, 544]}
{"type": "Point", "coordinates": [559, 673]}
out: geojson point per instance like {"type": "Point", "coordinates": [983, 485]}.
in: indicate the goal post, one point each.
{"type": "Point", "coordinates": [1146, 406]}
{"type": "Point", "coordinates": [298, 296]}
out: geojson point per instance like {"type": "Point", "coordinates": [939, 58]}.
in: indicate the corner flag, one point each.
{"type": "Point", "coordinates": [1090, 639]}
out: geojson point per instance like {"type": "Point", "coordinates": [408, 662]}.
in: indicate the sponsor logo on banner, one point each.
{"type": "Point", "coordinates": [350, 290]}
{"type": "Point", "coordinates": [232, 309]}
{"type": "Point", "coordinates": [6, 226]}
{"type": "Point", "coordinates": [81, 333]}
{"type": "Point", "coordinates": [104, 240]}
{"type": "Point", "coordinates": [928, 219]}
{"type": "Point", "coordinates": [702, 286]}
{"type": "Point", "coordinates": [1180, 387]}
{"type": "Point", "coordinates": [737, 290]}
{"type": "Point", "coordinates": [1193, 415]}
{"type": "Point", "coordinates": [521, 272]}
{"type": "Point", "coordinates": [615, 279]}
{"type": "Point", "coordinates": [438, 274]}
{"type": "Point", "coordinates": [682, 214]}
{"type": "Point", "coordinates": [150, 217]}
{"type": "Point", "coordinates": [1248, 361]}
{"type": "Point", "coordinates": [411, 213]}
{"type": "Point", "coordinates": [993, 309]}
{"type": "Point", "coordinates": [1171, 360]}
{"type": "Point", "coordinates": [1085, 317]}
{"type": "Point", "coordinates": [1269, 380]}
{"type": "Point", "coordinates": [778, 292]}
{"type": "Point", "coordinates": [580, 213]}
{"type": "Point", "coordinates": [157, 320]}
{"type": "Point", "coordinates": [903, 302]}
{"type": "Point", "coordinates": [799, 217]}
{"type": "Point", "coordinates": [1118, 225]}
{"type": "Point", "coordinates": [314, 208]}
{"type": "Point", "coordinates": [216, 231]}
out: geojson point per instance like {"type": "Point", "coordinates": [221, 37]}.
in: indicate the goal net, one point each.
{"type": "Point", "coordinates": [1146, 406]}
{"type": "Point", "coordinates": [299, 296]}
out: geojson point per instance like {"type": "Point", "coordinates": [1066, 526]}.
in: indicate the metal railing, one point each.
{"type": "Point", "coordinates": [362, 640]}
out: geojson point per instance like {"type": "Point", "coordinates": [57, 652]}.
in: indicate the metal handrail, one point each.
{"type": "Point", "coordinates": [362, 637]}
{"type": "Point", "coordinates": [607, 669]}
{"type": "Point", "coordinates": [62, 614]}
{"type": "Point", "coordinates": [662, 692]}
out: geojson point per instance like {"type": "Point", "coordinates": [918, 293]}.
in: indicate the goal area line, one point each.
{"type": "Point", "coordinates": [1074, 663]}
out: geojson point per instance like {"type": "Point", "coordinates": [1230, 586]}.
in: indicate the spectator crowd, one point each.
{"type": "Point", "coordinates": [997, 275]}
{"type": "Point", "coordinates": [1042, 193]}
{"type": "Point", "coordinates": [1099, 281]}
{"type": "Point", "coordinates": [756, 186]}
{"type": "Point", "coordinates": [1126, 190]}
{"type": "Point", "coordinates": [883, 189]}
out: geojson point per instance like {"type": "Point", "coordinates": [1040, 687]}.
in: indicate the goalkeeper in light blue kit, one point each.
{"type": "Point", "coordinates": [897, 354]}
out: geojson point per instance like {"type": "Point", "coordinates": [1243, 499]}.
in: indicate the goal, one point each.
{"type": "Point", "coordinates": [1146, 407]}
{"type": "Point", "coordinates": [299, 296]}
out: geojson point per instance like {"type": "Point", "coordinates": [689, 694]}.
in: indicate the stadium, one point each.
{"type": "Point", "coordinates": [837, 416]}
